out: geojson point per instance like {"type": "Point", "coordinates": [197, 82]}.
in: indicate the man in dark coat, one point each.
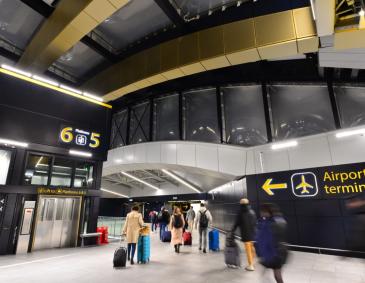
{"type": "Point", "coordinates": [246, 222]}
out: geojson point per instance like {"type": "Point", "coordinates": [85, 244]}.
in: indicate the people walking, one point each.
{"type": "Point", "coordinates": [177, 224]}
{"type": "Point", "coordinates": [132, 226]}
{"type": "Point", "coordinates": [190, 217]}
{"type": "Point", "coordinates": [153, 218]}
{"type": "Point", "coordinates": [246, 222]}
{"type": "Point", "coordinates": [203, 219]}
{"type": "Point", "coordinates": [271, 239]}
{"type": "Point", "coordinates": [163, 220]}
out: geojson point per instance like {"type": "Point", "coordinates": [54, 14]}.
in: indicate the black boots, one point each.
{"type": "Point", "coordinates": [177, 248]}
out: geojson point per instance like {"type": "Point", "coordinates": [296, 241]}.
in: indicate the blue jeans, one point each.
{"type": "Point", "coordinates": [162, 229]}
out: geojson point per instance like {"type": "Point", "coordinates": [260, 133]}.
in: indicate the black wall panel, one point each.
{"type": "Point", "coordinates": [35, 114]}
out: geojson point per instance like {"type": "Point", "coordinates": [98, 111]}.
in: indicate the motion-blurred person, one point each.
{"type": "Point", "coordinates": [271, 238]}
{"type": "Point", "coordinates": [246, 222]}
{"type": "Point", "coordinates": [190, 217]}
{"type": "Point", "coordinates": [132, 226]}
{"type": "Point", "coordinates": [177, 224]}
{"type": "Point", "coordinates": [203, 219]}
{"type": "Point", "coordinates": [356, 207]}
{"type": "Point", "coordinates": [163, 220]}
{"type": "Point", "coordinates": [153, 218]}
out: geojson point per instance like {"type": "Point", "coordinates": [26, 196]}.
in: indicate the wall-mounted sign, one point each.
{"type": "Point", "coordinates": [324, 182]}
{"type": "Point", "coordinates": [71, 135]}
{"type": "Point", "coordinates": [61, 191]}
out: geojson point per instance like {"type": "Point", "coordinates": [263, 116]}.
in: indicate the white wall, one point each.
{"type": "Point", "coordinates": [313, 151]}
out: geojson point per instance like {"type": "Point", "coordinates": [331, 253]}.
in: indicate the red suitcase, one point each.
{"type": "Point", "coordinates": [187, 238]}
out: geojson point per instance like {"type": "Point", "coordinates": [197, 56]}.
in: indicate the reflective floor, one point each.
{"type": "Point", "coordinates": [95, 265]}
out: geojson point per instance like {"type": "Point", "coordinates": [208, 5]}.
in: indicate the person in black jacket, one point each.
{"type": "Point", "coordinates": [246, 222]}
{"type": "Point", "coordinates": [163, 220]}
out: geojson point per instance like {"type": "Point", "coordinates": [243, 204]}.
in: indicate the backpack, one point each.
{"type": "Point", "coordinates": [265, 246]}
{"type": "Point", "coordinates": [177, 222]}
{"type": "Point", "coordinates": [203, 221]}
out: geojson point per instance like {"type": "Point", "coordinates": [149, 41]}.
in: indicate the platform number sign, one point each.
{"type": "Point", "coordinates": [71, 135]}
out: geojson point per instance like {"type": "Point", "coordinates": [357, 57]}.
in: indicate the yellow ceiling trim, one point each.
{"type": "Point", "coordinates": [25, 78]}
{"type": "Point", "coordinates": [265, 37]}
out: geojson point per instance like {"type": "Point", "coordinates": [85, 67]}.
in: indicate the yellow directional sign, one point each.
{"type": "Point", "coordinates": [268, 187]}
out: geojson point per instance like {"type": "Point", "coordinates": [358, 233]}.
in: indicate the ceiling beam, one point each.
{"type": "Point", "coordinates": [45, 10]}
{"type": "Point", "coordinates": [171, 13]}
{"type": "Point", "coordinates": [69, 23]}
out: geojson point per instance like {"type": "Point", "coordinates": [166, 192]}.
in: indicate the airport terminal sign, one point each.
{"type": "Point", "coordinates": [316, 183]}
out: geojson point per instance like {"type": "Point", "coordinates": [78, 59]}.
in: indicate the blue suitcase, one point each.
{"type": "Point", "coordinates": [166, 236]}
{"type": "Point", "coordinates": [214, 240]}
{"type": "Point", "coordinates": [143, 249]}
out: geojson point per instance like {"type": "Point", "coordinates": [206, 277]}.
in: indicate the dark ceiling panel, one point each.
{"type": "Point", "coordinates": [18, 22]}
{"type": "Point", "coordinates": [131, 23]}
{"type": "Point", "coordinates": [79, 60]}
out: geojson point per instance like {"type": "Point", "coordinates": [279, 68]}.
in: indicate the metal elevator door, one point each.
{"type": "Point", "coordinates": [57, 222]}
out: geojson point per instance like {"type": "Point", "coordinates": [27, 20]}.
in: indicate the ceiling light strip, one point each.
{"type": "Point", "coordinates": [80, 153]}
{"type": "Point", "coordinates": [47, 81]}
{"type": "Point", "coordinates": [49, 85]}
{"type": "Point", "coordinates": [114, 193]}
{"type": "Point", "coordinates": [93, 96]}
{"type": "Point", "coordinates": [350, 133]}
{"type": "Point", "coordinates": [140, 180]}
{"type": "Point", "coordinates": [13, 143]}
{"type": "Point", "coordinates": [10, 68]}
{"type": "Point", "coordinates": [180, 180]}
{"type": "Point", "coordinates": [284, 145]}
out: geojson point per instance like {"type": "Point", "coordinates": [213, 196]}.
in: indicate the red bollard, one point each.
{"type": "Point", "coordinates": [106, 233]}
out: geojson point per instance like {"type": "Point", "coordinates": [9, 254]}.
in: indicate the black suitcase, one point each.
{"type": "Point", "coordinates": [120, 257]}
{"type": "Point", "coordinates": [232, 252]}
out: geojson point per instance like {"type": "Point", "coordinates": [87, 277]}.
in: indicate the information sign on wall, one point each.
{"type": "Point", "coordinates": [61, 191]}
{"type": "Point", "coordinates": [340, 181]}
{"type": "Point", "coordinates": [79, 137]}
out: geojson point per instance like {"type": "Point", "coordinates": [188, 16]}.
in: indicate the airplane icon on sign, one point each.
{"type": "Point", "coordinates": [304, 186]}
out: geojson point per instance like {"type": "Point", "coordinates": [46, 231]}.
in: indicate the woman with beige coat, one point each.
{"type": "Point", "coordinates": [132, 226]}
{"type": "Point", "coordinates": [177, 223]}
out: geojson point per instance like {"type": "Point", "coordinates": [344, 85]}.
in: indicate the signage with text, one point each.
{"type": "Point", "coordinates": [340, 181]}
{"type": "Point", "coordinates": [79, 137]}
{"type": "Point", "coordinates": [61, 191]}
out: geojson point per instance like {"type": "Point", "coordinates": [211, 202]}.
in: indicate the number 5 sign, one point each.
{"type": "Point", "coordinates": [79, 137]}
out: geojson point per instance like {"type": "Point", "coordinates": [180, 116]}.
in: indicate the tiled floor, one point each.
{"type": "Point", "coordinates": [95, 265]}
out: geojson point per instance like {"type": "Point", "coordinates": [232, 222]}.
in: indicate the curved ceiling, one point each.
{"type": "Point", "coordinates": [75, 41]}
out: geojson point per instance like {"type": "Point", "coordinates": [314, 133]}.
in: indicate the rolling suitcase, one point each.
{"type": "Point", "coordinates": [120, 257]}
{"type": "Point", "coordinates": [143, 251]}
{"type": "Point", "coordinates": [214, 240]}
{"type": "Point", "coordinates": [166, 236]}
{"type": "Point", "coordinates": [232, 252]}
{"type": "Point", "coordinates": [187, 238]}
